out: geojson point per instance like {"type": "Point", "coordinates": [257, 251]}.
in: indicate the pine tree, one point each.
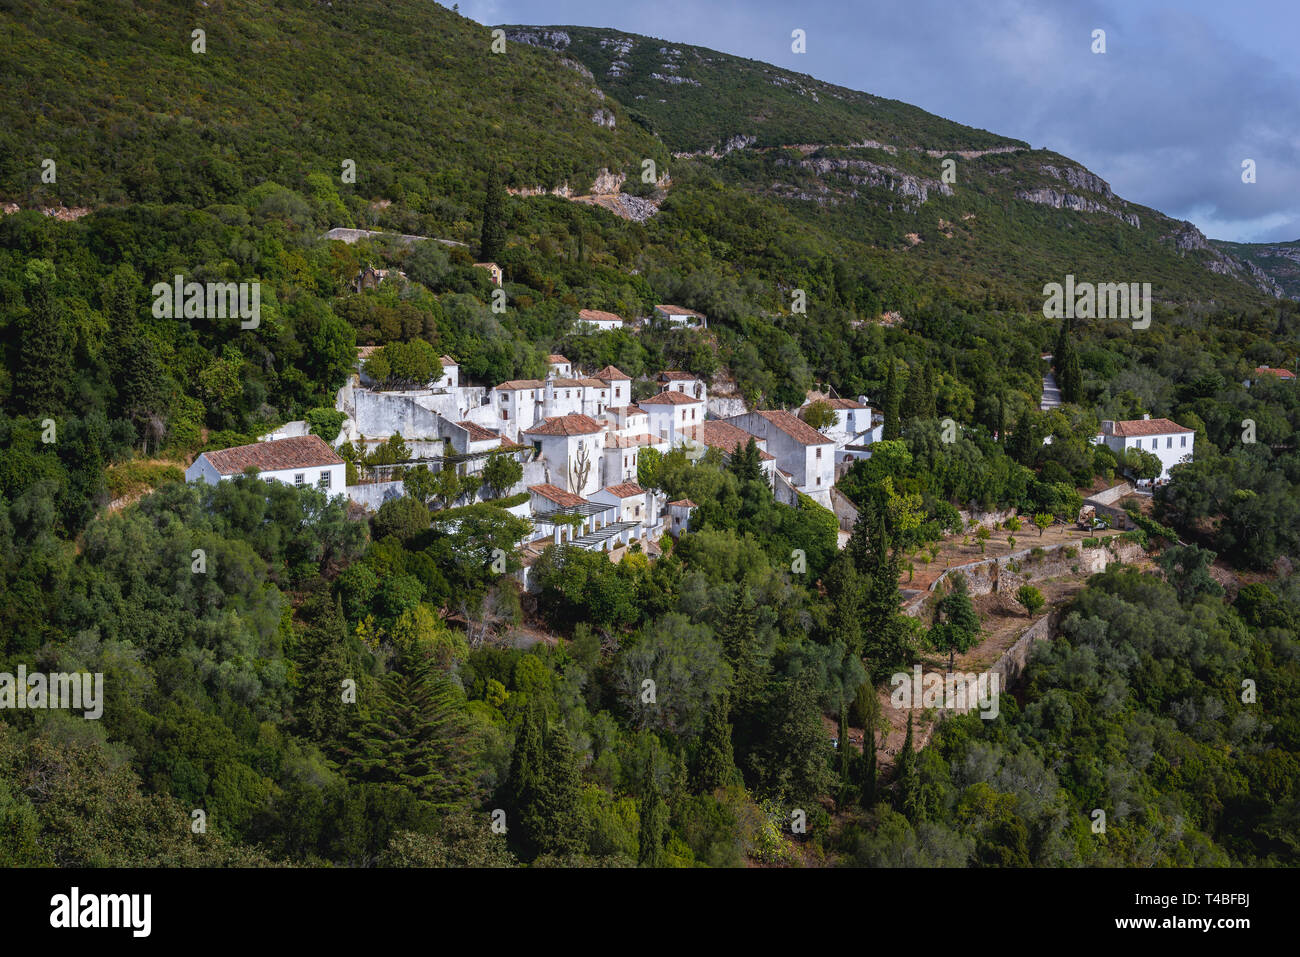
{"type": "Point", "coordinates": [914, 398]}
{"type": "Point", "coordinates": [931, 409]}
{"type": "Point", "coordinates": [525, 783]}
{"type": "Point", "coordinates": [892, 401]}
{"type": "Point", "coordinates": [740, 647]}
{"type": "Point", "coordinates": [557, 821]}
{"type": "Point", "coordinates": [416, 736]}
{"type": "Point", "coordinates": [715, 765]}
{"type": "Point", "coordinates": [844, 590]}
{"type": "Point", "coordinates": [326, 659]}
{"type": "Point", "coordinates": [746, 464]}
{"type": "Point", "coordinates": [492, 237]}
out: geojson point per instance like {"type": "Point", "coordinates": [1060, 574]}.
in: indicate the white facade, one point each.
{"type": "Point", "coordinates": [1163, 438]}
{"type": "Point", "coordinates": [806, 455]}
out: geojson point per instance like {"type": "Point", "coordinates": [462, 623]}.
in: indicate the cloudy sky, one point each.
{"type": "Point", "coordinates": [1186, 91]}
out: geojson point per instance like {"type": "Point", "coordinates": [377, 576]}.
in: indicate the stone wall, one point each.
{"type": "Point", "coordinates": [375, 494]}
{"type": "Point", "coordinates": [993, 574]}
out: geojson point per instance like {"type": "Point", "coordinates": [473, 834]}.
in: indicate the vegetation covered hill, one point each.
{"type": "Point", "coordinates": [223, 684]}
{"type": "Point", "coordinates": [1280, 261]}
{"type": "Point", "coordinates": [114, 93]}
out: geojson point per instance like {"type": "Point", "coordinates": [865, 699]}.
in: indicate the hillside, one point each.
{"type": "Point", "coordinates": [869, 170]}
{"type": "Point", "coordinates": [1279, 261]}
{"type": "Point", "coordinates": [409, 90]}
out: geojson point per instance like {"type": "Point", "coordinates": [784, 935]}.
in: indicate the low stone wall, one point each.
{"type": "Point", "coordinates": [993, 574]}
{"type": "Point", "coordinates": [989, 519]}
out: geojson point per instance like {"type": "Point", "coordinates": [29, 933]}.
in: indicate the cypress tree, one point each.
{"type": "Point", "coordinates": [892, 400]}
{"type": "Point", "coordinates": [492, 236]}
{"type": "Point", "coordinates": [867, 769]}
{"type": "Point", "coordinates": [557, 821]}
{"type": "Point", "coordinates": [654, 819]}
{"type": "Point", "coordinates": [908, 781]}
{"type": "Point", "coordinates": [845, 749]}
{"type": "Point", "coordinates": [716, 763]}
{"type": "Point", "coordinates": [44, 353]}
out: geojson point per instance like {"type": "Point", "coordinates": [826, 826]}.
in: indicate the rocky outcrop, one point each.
{"type": "Point", "coordinates": [1058, 200]}
{"type": "Point", "coordinates": [551, 39]}
{"type": "Point", "coordinates": [865, 173]}
{"type": "Point", "coordinates": [1188, 239]}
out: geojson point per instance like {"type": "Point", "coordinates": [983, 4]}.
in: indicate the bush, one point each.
{"type": "Point", "coordinates": [1031, 598]}
{"type": "Point", "coordinates": [325, 422]}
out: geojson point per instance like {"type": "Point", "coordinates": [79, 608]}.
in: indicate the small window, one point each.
{"type": "Point", "coordinates": [300, 478]}
{"type": "Point", "coordinates": [505, 413]}
{"type": "Point", "coordinates": [1184, 442]}
{"type": "Point", "coordinates": [324, 480]}
{"type": "Point", "coordinates": [819, 451]}
{"type": "Point", "coordinates": [1169, 442]}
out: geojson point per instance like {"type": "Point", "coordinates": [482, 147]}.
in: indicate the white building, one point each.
{"type": "Point", "coordinates": [725, 437]}
{"type": "Point", "coordinates": [681, 316]}
{"type": "Point", "coordinates": [571, 447]}
{"type": "Point", "coordinates": [600, 320]}
{"type": "Point", "coordinates": [803, 453]}
{"type": "Point", "coordinates": [1163, 438]}
{"type": "Point", "coordinates": [685, 383]}
{"type": "Point", "coordinates": [672, 412]}
{"type": "Point", "coordinates": [629, 499]}
{"type": "Point", "coordinates": [679, 516]}
{"type": "Point", "coordinates": [299, 461]}
{"type": "Point", "coordinates": [561, 366]}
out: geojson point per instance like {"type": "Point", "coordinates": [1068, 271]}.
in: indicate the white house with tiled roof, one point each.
{"type": "Point", "coordinates": [600, 320]}
{"type": "Point", "coordinates": [629, 498]}
{"type": "Point", "coordinates": [725, 437]}
{"type": "Point", "coordinates": [305, 460]}
{"type": "Point", "coordinates": [672, 412]}
{"type": "Point", "coordinates": [680, 316]}
{"type": "Point", "coordinates": [803, 453]}
{"type": "Point", "coordinates": [571, 447]}
{"type": "Point", "coordinates": [679, 516]}
{"type": "Point", "coordinates": [684, 382]}
{"type": "Point", "coordinates": [1167, 440]}
{"type": "Point", "coordinates": [560, 365]}
{"type": "Point", "coordinates": [620, 385]}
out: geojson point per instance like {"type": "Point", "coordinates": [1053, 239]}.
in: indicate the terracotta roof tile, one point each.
{"type": "Point", "coordinates": [683, 502]}
{"type": "Point", "coordinates": [596, 315]}
{"type": "Point", "coordinates": [566, 425]}
{"type": "Point", "coordinates": [625, 489]}
{"type": "Point", "coordinates": [557, 495]}
{"type": "Point", "coordinates": [1136, 427]}
{"type": "Point", "coordinates": [299, 452]}
{"type": "Point", "coordinates": [670, 398]}
{"type": "Point", "coordinates": [795, 427]}
{"type": "Point", "coordinates": [610, 373]}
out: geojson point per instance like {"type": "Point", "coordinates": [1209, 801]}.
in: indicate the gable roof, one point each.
{"type": "Point", "coordinates": [477, 433]}
{"type": "Point", "coordinates": [624, 490]}
{"type": "Point", "coordinates": [1129, 428]}
{"type": "Point", "coordinates": [677, 377]}
{"type": "Point", "coordinates": [610, 373]}
{"type": "Point", "coordinates": [724, 436]}
{"type": "Point", "coordinates": [683, 503]}
{"type": "Point", "coordinates": [566, 425]}
{"type": "Point", "coordinates": [598, 315]}
{"type": "Point", "coordinates": [842, 403]}
{"type": "Point", "coordinates": [795, 427]}
{"type": "Point", "coordinates": [448, 361]}
{"type": "Point", "coordinates": [671, 398]}
{"type": "Point", "coordinates": [1280, 373]}
{"type": "Point", "coordinates": [553, 357]}
{"type": "Point", "coordinates": [299, 452]}
{"type": "Point", "coordinates": [679, 311]}
{"type": "Point", "coordinates": [557, 495]}
{"type": "Point", "coordinates": [514, 385]}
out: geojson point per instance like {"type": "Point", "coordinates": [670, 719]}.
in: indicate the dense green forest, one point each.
{"type": "Point", "coordinates": [224, 685]}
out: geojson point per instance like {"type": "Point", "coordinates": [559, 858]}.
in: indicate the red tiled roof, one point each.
{"type": "Point", "coordinates": [477, 433]}
{"type": "Point", "coordinates": [670, 398]}
{"type": "Point", "coordinates": [795, 427]}
{"type": "Point", "coordinates": [679, 311]}
{"type": "Point", "coordinates": [448, 361]}
{"type": "Point", "coordinates": [596, 315]}
{"type": "Point", "coordinates": [299, 452]}
{"type": "Point", "coordinates": [625, 489]}
{"type": "Point", "coordinates": [626, 410]}
{"type": "Point", "coordinates": [1280, 373]}
{"type": "Point", "coordinates": [843, 403]}
{"type": "Point", "coordinates": [514, 385]}
{"type": "Point", "coordinates": [556, 358]}
{"type": "Point", "coordinates": [610, 373]}
{"type": "Point", "coordinates": [615, 441]}
{"type": "Point", "coordinates": [1136, 427]}
{"type": "Point", "coordinates": [677, 377]}
{"type": "Point", "coordinates": [684, 502]}
{"type": "Point", "coordinates": [557, 495]}
{"type": "Point", "coordinates": [566, 425]}
{"type": "Point", "coordinates": [724, 436]}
